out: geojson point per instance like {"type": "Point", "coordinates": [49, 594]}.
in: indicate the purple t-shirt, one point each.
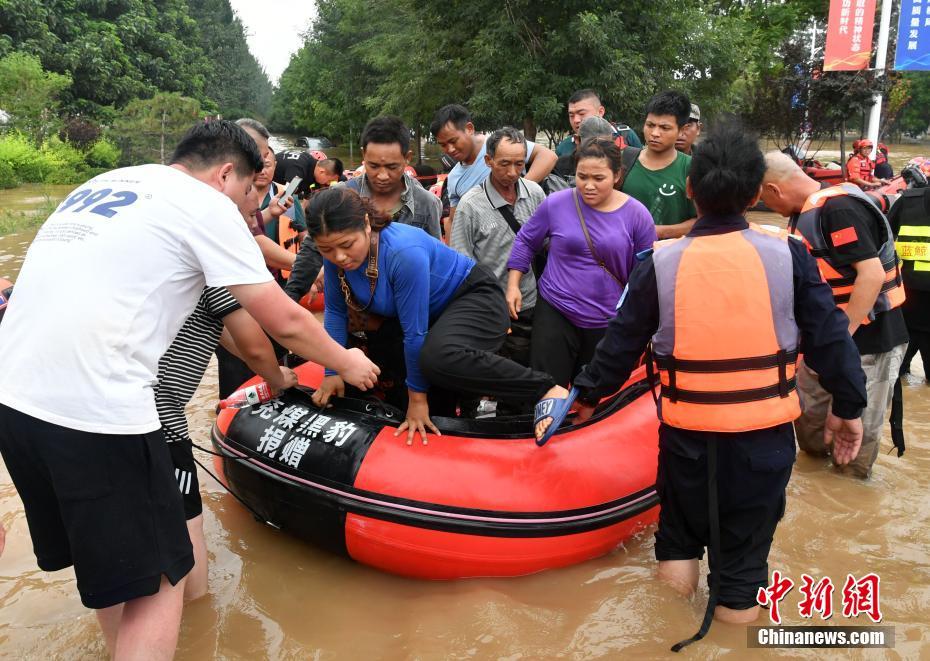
{"type": "Point", "coordinates": [573, 282]}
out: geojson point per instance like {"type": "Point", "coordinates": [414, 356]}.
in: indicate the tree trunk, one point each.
{"type": "Point", "coordinates": [529, 128]}
{"type": "Point", "coordinates": [418, 136]}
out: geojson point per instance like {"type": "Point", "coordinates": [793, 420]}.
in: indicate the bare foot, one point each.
{"type": "Point", "coordinates": [555, 392]}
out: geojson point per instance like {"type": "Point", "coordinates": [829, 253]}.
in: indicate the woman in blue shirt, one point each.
{"type": "Point", "coordinates": [451, 312]}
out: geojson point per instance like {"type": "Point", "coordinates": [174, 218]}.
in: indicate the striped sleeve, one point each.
{"type": "Point", "coordinates": [219, 302]}
{"type": "Point", "coordinates": [182, 367]}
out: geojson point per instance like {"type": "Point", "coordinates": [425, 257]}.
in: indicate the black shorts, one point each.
{"type": "Point", "coordinates": [105, 503]}
{"type": "Point", "coordinates": [185, 472]}
{"type": "Point", "coordinates": [753, 469]}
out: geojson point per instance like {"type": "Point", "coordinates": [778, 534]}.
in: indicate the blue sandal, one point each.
{"type": "Point", "coordinates": [555, 408]}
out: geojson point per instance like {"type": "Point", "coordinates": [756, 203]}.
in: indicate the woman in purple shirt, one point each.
{"type": "Point", "coordinates": [579, 291]}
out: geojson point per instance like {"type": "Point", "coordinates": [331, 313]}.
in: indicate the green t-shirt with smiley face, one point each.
{"type": "Point", "coordinates": [662, 191]}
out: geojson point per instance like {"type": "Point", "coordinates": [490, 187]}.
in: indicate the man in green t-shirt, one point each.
{"type": "Point", "coordinates": [657, 178]}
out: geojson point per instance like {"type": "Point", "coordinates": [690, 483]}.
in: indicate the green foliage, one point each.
{"type": "Point", "coordinates": [20, 154]}
{"type": "Point", "coordinates": [30, 95]}
{"type": "Point", "coordinates": [914, 117]}
{"type": "Point", "coordinates": [234, 83]}
{"type": "Point", "coordinates": [518, 61]}
{"type": "Point", "coordinates": [148, 129]}
{"type": "Point", "coordinates": [103, 154]}
{"type": "Point", "coordinates": [8, 178]}
{"type": "Point", "coordinates": [791, 93]}
{"type": "Point", "coordinates": [61, 162]}
{"type": "Point", "coordinates": [55, 162]}
{"type": "Point", "coordinates": [324, 88]}
{"type": "Point", "coordinates": [115, 51]}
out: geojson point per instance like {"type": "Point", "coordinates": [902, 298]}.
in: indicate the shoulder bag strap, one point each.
{"type": "Point", "coordinates": [504, 211]}
{"type": "Point", "coordinates": [587, 237]}
{"type": "Point", "coordinates": [371, 271]}
{"type": "Point", "coordinates": [627, 160]}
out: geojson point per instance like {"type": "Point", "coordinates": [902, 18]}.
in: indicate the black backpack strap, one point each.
{"type": "Point", "coordinates": [627, 160]}
{"type": "Point", "coordinates": [505, 211]}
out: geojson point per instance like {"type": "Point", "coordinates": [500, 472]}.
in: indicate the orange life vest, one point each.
{"type": "Point", "coordinates": [863, 168]}
{"type": "Point", "coordinates": [727, 342]}
{"type": "Point", "coordinates": [288, 237]}
{"type": "Point", "coordinates": [809, 225]}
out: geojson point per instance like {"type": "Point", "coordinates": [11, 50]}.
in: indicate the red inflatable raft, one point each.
{"type": "Point", "coordinates": [317, 304]}
{"type": "Point", "coordinates": [481, 500]}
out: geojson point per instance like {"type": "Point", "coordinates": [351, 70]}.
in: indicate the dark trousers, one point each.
{"type": "Point", "coordinates": [233, 372]}
{"type": "Point", "coordinates": [558, 347]}
{"type": "Point", "coordinates": [517, 343]}
{"type": "Point", "coordinates": [460, 352]}
{"type": "Point", "coordinates": [385, 348]}
{"type": "Point", "coordinates": [920, 341]}
{"type": "Point", "coordinates": [753, 469]}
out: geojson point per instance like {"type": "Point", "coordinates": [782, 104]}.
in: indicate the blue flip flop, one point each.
{"type": "Point", "coordinates": [555, 408]}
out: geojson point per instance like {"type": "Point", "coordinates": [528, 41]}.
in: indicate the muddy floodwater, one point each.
{"type": "Point", "coordinates": [275, 597]}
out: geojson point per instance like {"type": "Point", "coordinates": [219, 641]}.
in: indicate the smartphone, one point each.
{"type": "Point", "coordinates": [291, 187]}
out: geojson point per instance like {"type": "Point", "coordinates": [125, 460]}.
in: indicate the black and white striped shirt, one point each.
{"type": "Point", "coordinates": [182, 367]}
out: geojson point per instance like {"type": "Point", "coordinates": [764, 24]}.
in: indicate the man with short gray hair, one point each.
{"type": "Point", "coordinates": [489, 216]}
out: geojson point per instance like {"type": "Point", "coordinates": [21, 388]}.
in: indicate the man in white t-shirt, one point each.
{"type": "Point", "coordinates": [106, 284]}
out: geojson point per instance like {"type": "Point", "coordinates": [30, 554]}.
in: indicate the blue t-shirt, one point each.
{"type": "Point", "coordinates": [405, 255]}
{"type": "Point", "coordinates": [463, 177]}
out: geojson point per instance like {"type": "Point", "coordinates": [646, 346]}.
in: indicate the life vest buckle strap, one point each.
{"type": "Point", "coordinates": [895, 282]}
{"type": "Point", "coordinates": [783, 390]}
{"type": "Point", "coordinates": [728, 364]}
{"type": "Point", "coordinates": [671, 391]}
{"type": "Point", "coordinates": [731, 396]}
{"type": "Point", "coordinates": [649, 359]}
{"type": "Point", "coordinates": [842, 282]}
{"type": "Point", "coordinates": [887, 286]}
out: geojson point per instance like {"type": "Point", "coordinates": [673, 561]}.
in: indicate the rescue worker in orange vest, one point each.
{"type": "Point", "coordinates": [726, 308]}
{"type": "Point", "coordinates": [860, 167]}
{"type": "Point", "coordinates": [855, 252]}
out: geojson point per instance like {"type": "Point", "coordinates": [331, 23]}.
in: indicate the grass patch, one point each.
{"type": "Point", "coordinates": [20, 221]}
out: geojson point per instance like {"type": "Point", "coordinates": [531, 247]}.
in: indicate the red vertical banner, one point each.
{"type": "Point", "coordinates": [849, 35]}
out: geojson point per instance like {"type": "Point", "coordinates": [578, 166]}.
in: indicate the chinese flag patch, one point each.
{"type": "Point", "coordinates": [844, 236]}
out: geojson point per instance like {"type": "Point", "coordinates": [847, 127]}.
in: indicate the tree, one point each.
{"type": "Point", "coordinates": [29, 95]}
{"type": "Point", "coordinates": [519, 60]}
{"type": "Point", "coordinates": [234, 80]}
{"type": "Point", "coordinates": [326, 86]}
{"type": "Point", "coordinates": [148, 129]}
{"type": "Point", "coordinates": [119, 50]}
{"type": "Point", "coordinates": [914, 112]}
{"type": "Point", "coordinates": [794, 99]}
